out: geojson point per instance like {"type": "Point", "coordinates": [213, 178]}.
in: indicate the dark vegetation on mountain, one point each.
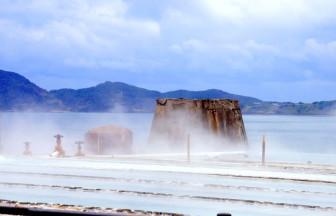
{"type": "Point", "coordinates": [19, 94]}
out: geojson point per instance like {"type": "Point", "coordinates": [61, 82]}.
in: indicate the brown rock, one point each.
{"type": "Point", "coordinates": [209, 122]}
{"type": "Point", "coordinates": [109, 139]}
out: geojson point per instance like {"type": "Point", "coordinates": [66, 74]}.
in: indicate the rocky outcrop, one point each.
{"type": "Point", "coordinates": [209, 122]}
{"type": "Point", "coordinates": [109, 139]}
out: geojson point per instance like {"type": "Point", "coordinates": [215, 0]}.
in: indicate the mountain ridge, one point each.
{"type": "Point", "coordinates": [18, 93]}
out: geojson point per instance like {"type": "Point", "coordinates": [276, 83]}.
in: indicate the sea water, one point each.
{"type": "Point", "coordinates": [287, 137]}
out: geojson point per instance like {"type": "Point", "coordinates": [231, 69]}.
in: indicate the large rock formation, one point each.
{"type": "Point", "coordinates": [213, 124]}
{"type": "Point", "coordinates": [109, 139]}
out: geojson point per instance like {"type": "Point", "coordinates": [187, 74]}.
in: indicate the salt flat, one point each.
{"type": "Point", "coordinates": [171, 184]}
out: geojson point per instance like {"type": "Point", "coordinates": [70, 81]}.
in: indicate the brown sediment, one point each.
{"type": "Point", "coordinates": [32, 207]}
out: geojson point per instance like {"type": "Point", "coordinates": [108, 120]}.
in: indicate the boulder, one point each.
{"type": "Point", "coordinates": [109, 139]}
{"type": "Point", "coordinates": [212, 124]}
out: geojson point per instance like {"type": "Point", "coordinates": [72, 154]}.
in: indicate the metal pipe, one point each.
{"type": "Point", "coordinates": [188, 147]}
{"type": "Point", "coordinates": [98, 143]}
{"type": "Point", "coordinates": [79, 148]}
{"type": "Point", "coordinates": [27, 150]}
{"type": "Point", "coordinates": [263, 150]}
{"type": "Point", "coordinates": [58, 151]}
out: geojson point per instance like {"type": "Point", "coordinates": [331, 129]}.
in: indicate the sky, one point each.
{"type": "Point", "coordinates": [277, 50]}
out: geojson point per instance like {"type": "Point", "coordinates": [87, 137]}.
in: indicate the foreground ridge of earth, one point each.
{"type": "Point", "coordinates": [75, 209]}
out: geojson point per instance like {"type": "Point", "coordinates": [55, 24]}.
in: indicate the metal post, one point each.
{"type": "Point", "coordinates": [58, 151]}
{"type": "Point", "coordinates": [27, 150]}
{"type": "Point", "coordinates": [98, 144]}
{"type": "Point", "coordinates": [79, 148]}
{"type": "Point", "coordinates": [263, 150]}
{"type": "Point", "coordinates": [188, 147]}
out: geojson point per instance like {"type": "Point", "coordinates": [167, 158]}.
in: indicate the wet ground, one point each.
{"type": "Point", "coordinates": [205, 186]}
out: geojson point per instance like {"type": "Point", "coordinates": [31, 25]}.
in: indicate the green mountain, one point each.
{"type": "Point", "coordinates": [289, 108]}
{"type": "Point", "coordinates": [121, 97]}
{"type": "Point", "coordinates": [108, 97]}
{"type": "Point", "coordinates": [210, 93]}
{"type": "Point", "coordinates": [19, 94]}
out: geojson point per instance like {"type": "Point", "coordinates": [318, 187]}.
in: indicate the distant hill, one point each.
{"type": "Point", "coordinates": [289, 108]}
{"type": "Point", "coordinates": [210, 93]}
{"type": "Point", "coordinates": [117, 96]}
{"type": "Point", "coordinates": [19, 94]}
{"type": "Point", "coordinates": [108, 97]}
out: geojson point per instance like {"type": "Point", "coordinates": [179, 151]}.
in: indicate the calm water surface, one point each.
{"type": "Point", "coordinates": [294, 134]}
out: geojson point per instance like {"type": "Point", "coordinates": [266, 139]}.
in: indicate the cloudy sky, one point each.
{"type": "Point", "coordinates": [281, 50]}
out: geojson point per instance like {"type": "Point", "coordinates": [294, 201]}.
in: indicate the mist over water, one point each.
{"type": "Point", "coordinates": [284, 134]}
{"type": "Point", "coordinates": [122, 181]}
{"type": "Point", "coordinates": [40, 128]}
{"type": "Point", "coordinates": [293, 138]}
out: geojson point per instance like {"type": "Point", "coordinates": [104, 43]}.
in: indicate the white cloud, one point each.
{"type": "Point", "coordinates": [280, 12]}
{"type": "Point", "coordinates": [224, 9]}
{"type": "Point", "coordinates": [263, 47]}
{"type": "Point", "coordinates": [92, 29]}
{"type": "Point", "coordinates": [214, 56]}
{"type": "Point", "coordinates": [259, 40]}
{"type": "Point", "coordinates": [320, 49]}
{"type": "Point", "coordinates": [188, 46]}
